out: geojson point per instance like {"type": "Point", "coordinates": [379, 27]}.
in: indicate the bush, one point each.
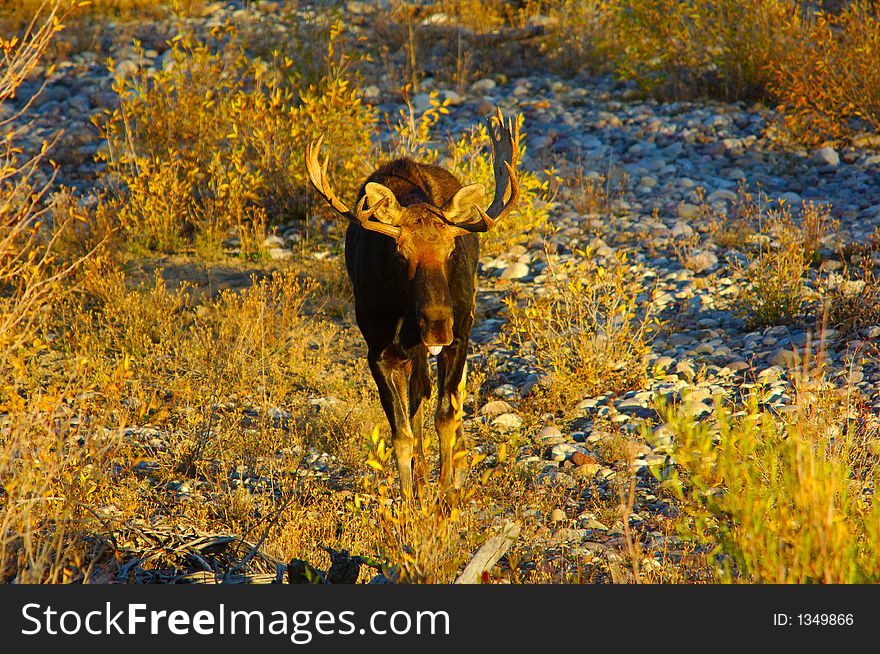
{"type": "Point", "coordinates": [774, 272]}
{"type": "Point", "coordinates": [582, 35]}
{"type": "Point", "coordinates": [681, 49]}
{"type": "Point", "coordinates": [216, 141]}
{"type": "Point", "coordinates": [48, 468]}
{"type": "Point", "coordinates": [585, 328]}
{"type": "Point", "coordinates": [783, 500]}
{"type": "Point", "coordinates": [828, 85]}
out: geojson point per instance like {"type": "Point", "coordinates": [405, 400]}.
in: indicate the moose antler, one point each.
{"type": "Point", "coordinates": [505, 151]}
{"type": "Point", "coordinates": [318, 176]}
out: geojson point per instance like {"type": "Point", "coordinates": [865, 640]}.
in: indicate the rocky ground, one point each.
{"type": "Point", "coordinates": [661, 162]}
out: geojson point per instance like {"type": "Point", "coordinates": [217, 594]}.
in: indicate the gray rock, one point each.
{"type": "Point", "coordinates": [507, 421]}
{"type": "Point", "coordinates": [515, 270]}
{"type": "Point", "coordinates": [495, 408]}
{"type": "Point", "coordinates": [827, 156]}
{"type": "Point", "coordinates": [784, 358]}
{"type": "Point", "coordinates": [483, 86]}
{"type": "Point", "coordinates": [688, 211]}
{"type": "Point", "coordinates": [549, 433]}
{"type": "Point", "coordinates": [125, 68]}
{"type": "Point", "coordinates": [280, 253]}
{"type": "Point", "coordinates": [703, 260]}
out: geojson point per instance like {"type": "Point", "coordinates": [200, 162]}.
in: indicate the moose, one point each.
{"type": "Point", "coordinates": [411, 251]}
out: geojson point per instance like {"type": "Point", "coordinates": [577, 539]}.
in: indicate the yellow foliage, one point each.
{"type": "Point", "coordinates": [215, 142]}
{"type": "Point", "coordinates": [828, 83]}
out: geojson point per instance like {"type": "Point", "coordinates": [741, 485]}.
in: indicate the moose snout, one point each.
{"type": "Point", "coordinates": [435, 325]}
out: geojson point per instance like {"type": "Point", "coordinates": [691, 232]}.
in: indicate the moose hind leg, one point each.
{"type": "Point", "coordinates": [391, 375]}
{"type": "Point", "coordinates": [452, 374]}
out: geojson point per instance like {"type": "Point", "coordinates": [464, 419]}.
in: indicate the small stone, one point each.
{"type": "Point", "coordinates": [559, 452]}
{"type": "Point", "coordinates": [677, 340]}
{"type": "Point", "coordinates": [663, 363]}
{"type": "Point", "coordinates": [483, 86]}
{"type": "Point", "coordinates": [684, 370]}
{"type": "Point", "coordinates": [508, 421]}
{"type": "Point", "coordinates": [722, 194]}
{"type": "Point", "coordinates": [688, 211]}
{"type": "Point", "coordinates": [600, 248]}
{"type": "Point", "coordinates": [586, 471]}
{"type": "Point", "coordinates": [827, 156]}
{"type": "Point", "coordinates": [515, 270]}
{"type": "Point", "coordinates": [557, 515]}
{"type": "Point", "coordinates": [451, 97]}
{"type": "Point", "coordinates": [555, 478]}
{"type": "Point", "coordinates": [589, 522]}
{"type": "Point", "coordinates": [784, 358]}
{"type": "Point", "coordinates": [548, 433]}
{"type": "Point", "coordinates": [581, 459]}
{"type": "Point", "coordinates": [280, 253]}
{"type": "Point", "coordinates": [703, 260]}
{"type": "Point", "coordinates": [496, 408]}
{"type": "Point", "coordinates": [681, 228]}
{"type": "Point", "coordinates": [791, 199]}
{"type": "Point", "coordinates": [372, 93]}
{"type": "Point", "coordinates": [124, 69]}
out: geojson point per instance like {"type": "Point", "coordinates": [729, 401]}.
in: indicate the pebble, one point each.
{"type": "Point", "coordinates": [515, 270]}
{"type": "Point", "coordinates": [507, 421]}
{"type": "Point", "coordinates": [827, 156]}
{"type": "Point", "coordinates": [496, 408]}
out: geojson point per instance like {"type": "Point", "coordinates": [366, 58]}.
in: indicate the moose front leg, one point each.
{"type": "Point", "coordinates": [452, 377]}
{"type": "Point", "coordinates": [419, 393]}
{"type": "Point", "coordinates": [391, 375]}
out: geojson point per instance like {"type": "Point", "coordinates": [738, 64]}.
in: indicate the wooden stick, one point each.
{"type": "Point", "coordinates": [488, 555]}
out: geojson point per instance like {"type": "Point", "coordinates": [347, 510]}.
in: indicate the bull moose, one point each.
{"type": "Point", "coordinates": [411, 250]}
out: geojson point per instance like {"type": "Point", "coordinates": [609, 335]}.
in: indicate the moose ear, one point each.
{"type": "Point", "coordinates": [462, 204]}
{"type": "Point", "coordinates": [390, 211]}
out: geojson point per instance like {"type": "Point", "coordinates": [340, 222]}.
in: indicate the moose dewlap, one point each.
{"type": "Point", "coordinates": [411, 250]}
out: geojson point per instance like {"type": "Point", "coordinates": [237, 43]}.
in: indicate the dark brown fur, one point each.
{"type": "Point", "coordinates": [410, 293]}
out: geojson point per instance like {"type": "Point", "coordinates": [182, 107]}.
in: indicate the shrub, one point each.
{"type": "Point", "coordinates": [853, 304]}
{"type": "Point", "coordinates": [784, 499]}
{"type": "Point", "coordinates": [681, 49]}
{"type": "Point", "coordinates": [585, 327]}
{"type": "Point", "coordinates": [221, 137]}
{"type": "Point", "coordinates": [30, 271]}
{"type": "Point", "coordinates": [47, 468]}
{"type": "Point", "coordinates": [582, 35]}
{"type": "Point", "coordinates": [774, 272]}
{"type": "Point", "coordinates": [828, 85]}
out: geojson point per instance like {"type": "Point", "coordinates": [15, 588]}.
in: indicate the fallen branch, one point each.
{"type": "Point", "coordinates": [488, 555]}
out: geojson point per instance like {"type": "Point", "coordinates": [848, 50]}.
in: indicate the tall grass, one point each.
{"type": "Point", "coordinates": [784, 499]}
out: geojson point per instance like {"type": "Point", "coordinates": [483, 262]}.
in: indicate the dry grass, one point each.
{"type": "Point", "coordinates": [827, 85]}
{"type": "Point", "coordinates": [586, 326]}
{"type": "Point", "coordinates": [214, 144]}
{"type": "Point", "coordinates": [784, 499]}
